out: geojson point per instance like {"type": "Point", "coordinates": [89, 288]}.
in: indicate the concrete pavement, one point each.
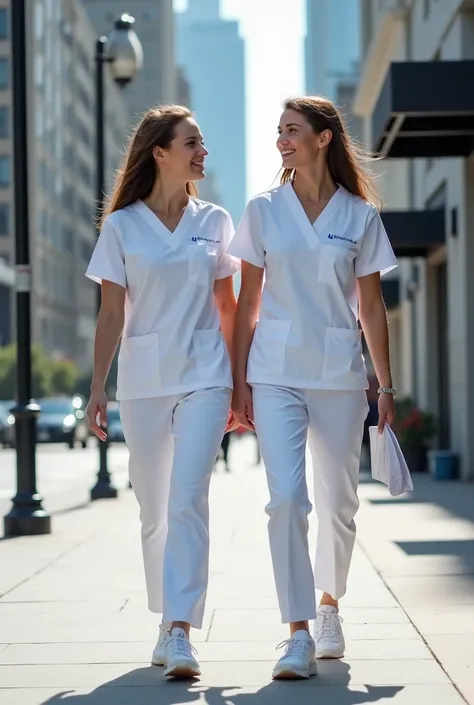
{"type": "Point", "coordinates": [64, 476]}
{"type": "Point", "coordinates": [74, 627]}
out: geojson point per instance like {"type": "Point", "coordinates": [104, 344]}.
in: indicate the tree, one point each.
{"type": "Point", "coordinates": [48, 376]}
{"type": "Point", "coordinates": [64, 376]}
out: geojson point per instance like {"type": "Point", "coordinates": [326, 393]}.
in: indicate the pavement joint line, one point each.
{"type": "Point", "coordinates": [433, 654]}
{"type": "Point", "coordinates": [53, 561]}
{"type": "Point", "coordinates": [211, 622]}
{"type": "Point", "coordinates": [127, 600]}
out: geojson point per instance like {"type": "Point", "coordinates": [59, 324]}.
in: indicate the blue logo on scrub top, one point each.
{"type": "Point", "coordinates": [340, 237]}
{"type": "Point", "coordinates": [205, 239]}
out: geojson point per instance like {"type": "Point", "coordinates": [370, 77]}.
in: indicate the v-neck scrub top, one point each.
{"type": "Point", "coordinates": [307, 336]}
{"type": "Point", "coordinates": [171, 341]}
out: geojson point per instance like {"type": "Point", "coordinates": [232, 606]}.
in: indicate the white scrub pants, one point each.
{"type": "Point", "coordinates": [332, 422]}
{"type": "Point", "coordinates": [173, 443]}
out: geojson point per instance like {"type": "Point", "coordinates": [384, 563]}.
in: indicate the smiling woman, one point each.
{"type": "Point", "coordinates": [299, 368]}
{"type": "Point", "coordinates": [167, 293]}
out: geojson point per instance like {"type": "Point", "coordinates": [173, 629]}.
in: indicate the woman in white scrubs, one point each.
{"type": "Point", "coordinates": [299, 369]}
{"type": "Point", "coordinates": [167, 293]}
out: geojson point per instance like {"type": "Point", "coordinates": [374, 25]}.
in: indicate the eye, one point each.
{"type": "Point", "coordinates": [292, 130]}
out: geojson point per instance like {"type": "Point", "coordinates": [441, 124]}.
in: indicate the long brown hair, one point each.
{"type": "Point", "coordinates": [136, 175]}
{"type": "Point", "coordinates": [345, 158]}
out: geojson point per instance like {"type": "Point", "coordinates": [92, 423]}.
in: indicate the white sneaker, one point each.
{"type": "Point", "coordinates": [328, 634]}
{"type": "Point", "coordinates": [180, 662]}
{"type": "Point", "coordinates": [159, 655]}
{"type": "Point", "coordinates": [298, 661]}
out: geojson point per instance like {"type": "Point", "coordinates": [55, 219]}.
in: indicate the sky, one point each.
{"type": "Point", "coordinates": [273, 31]}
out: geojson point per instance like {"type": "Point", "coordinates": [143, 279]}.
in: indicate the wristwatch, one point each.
{"type": "Point", "coordinates": [387, 390]}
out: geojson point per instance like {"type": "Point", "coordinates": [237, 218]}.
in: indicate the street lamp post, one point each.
{"type": "Point", "coordinates": [123, 53]}
{"type": "Point", "coordinates": [27, 516]}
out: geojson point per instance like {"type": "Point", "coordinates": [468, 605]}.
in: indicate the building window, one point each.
{"type": "Point", "coordinates": [4, 122]}
{"type": "Point", "coordinates": [4, 24]}
{"type": "Point", "coordinates": [5, 178]}
{"type": "Point", "coordinates": [4, 219]}
{"type": "Point", "coordinates": [4, 73]}
{"type": "Point", "coordinates": [426, 8]}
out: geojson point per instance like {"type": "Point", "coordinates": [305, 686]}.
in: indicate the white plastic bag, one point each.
{"type": "Point", "coordinates": [388, 464]}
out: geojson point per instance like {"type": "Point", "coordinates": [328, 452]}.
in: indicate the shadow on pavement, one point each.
{"type": "Point", "coordinates": [146, 686]}
{"type": "Point", "coordinates": [455, 500]}
{"type": "Point", "coordinates": [454, 497]}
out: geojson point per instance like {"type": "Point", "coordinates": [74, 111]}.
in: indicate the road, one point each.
{"type": "Point", "coordinates": [64, 477]}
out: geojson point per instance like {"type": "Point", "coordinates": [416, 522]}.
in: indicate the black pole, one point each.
{"type": "Point", "coordinates": [103, 489]}
{"type": "Point", "coordinates": [27, 515]}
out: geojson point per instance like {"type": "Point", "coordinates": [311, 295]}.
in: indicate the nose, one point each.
{"type": "Point", "coordinates": [203, 152]}
{"type": "Point", "coordinates": [282, 141]}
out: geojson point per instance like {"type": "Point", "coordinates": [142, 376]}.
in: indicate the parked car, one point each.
{"type": "Point", "coordinates": [5, 425]}
{"type": "Point", "coordinates": [62, 420]}
{"type": "Point", "coordinates": [114, 424]}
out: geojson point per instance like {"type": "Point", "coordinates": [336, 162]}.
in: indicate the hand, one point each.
{"type": "Point", "coordinates": [232, 422]}
{"type": "Point", "coordinates": [242, 406]}
{"type": "Point", "coordinates": [386, 410]}
{"type": "Point", "coordinates": [97, 413]}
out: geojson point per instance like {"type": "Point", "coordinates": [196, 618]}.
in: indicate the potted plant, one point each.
{"type": "Point", "coordinates": [414, 429]}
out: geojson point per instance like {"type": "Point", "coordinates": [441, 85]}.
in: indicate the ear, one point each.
{"type": "Point", "coordinates": [325, 138]}
{"type": "Point", "coordinates": [157, 154]}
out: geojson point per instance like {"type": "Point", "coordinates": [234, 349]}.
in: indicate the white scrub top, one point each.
{"type": "Point", "coordinates": [171, 341]}
{"type": "Point", "coordinates": [307, 336]}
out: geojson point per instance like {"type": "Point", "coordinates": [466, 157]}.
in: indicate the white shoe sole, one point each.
{"type": "Point", "coordinates": [157, 662]}
{"type": "Point", "coordinates": [293, 674]}
{"type": "Point", "coordinates": [335, 653]}
{"type": "Point", "coordinates": [182, 671]}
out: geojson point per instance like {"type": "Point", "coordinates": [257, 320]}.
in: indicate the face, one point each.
{"type": "Point", "coordinates": [183, 160]}
{"type": "Point", "coordinates": [297, 143]}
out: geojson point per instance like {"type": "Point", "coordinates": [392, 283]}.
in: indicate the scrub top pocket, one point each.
{"type": "Point", "coordinates": [139, 367]}
{"type": "Point", "coordinates": [335, 265]}
{"type": "Point", "coordinates": [268, 351]}
{"type": "Point", "coordinates": [212, 359]}
{"type": "Point", "coordinates": [343, 360]}
{"type": "Point", "coordinates": [202, 264]}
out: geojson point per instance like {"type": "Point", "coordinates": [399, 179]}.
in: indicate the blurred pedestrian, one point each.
{"type": "Point", "coordinates": [299, 370]}
{"type": "Point", "coordinates": [225, 450]}
{"type": "Point", "coordinates": [167, 292]}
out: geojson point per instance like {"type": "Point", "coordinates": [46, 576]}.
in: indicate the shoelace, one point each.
{"type": "Point", "coordinates": [181, 646]}
{"type": "Point", "coordinates": [295, 647]}
{"type": "Point", "coordinates": [165, 628]}
{"type": "Point", "coordinates": [328, 625]}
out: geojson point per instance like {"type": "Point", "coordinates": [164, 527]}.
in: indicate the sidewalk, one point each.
{"type": "Point", "coordinates": [74, 627]}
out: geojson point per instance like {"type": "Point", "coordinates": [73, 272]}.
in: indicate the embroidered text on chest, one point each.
{"type": "Point", "coordinates": [205, 239]}
{"type": "Point", "coordinates": [341, 237]}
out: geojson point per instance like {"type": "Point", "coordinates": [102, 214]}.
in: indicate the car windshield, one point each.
{"type": "Point", "coordinates": [113, 414]}
{"type": "Point", "coordinates": [56, 406]}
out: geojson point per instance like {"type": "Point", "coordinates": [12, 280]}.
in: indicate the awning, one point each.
{"type": "Point", "coordinates": [425, 109]}
{"type": "Point", "coordinates": [415, 233]}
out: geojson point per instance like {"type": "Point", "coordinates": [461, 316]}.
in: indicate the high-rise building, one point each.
{"type": "Point", "coordinates": [332, 44]}
{"type": "Point", "coordinates": [61, 163]}
{"type": "Point", "coordinates": [332, 53]}
{"type": "Point", "coordinates": [212, 53]}
{"type": "Point", "coordinates": [157, 82]}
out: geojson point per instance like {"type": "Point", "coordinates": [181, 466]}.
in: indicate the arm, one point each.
{"type": "Point", "coordinates": [108, 331]}
{"type": "Point", "coordinates": [226, 305]}
{"type": "Point", "coordinates": [247, 314]}
{"type": "Point", "coordinates": [373, 318]}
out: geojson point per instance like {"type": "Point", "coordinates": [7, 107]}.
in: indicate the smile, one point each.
{"type": "Point", "coordinates": [287, 152]}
